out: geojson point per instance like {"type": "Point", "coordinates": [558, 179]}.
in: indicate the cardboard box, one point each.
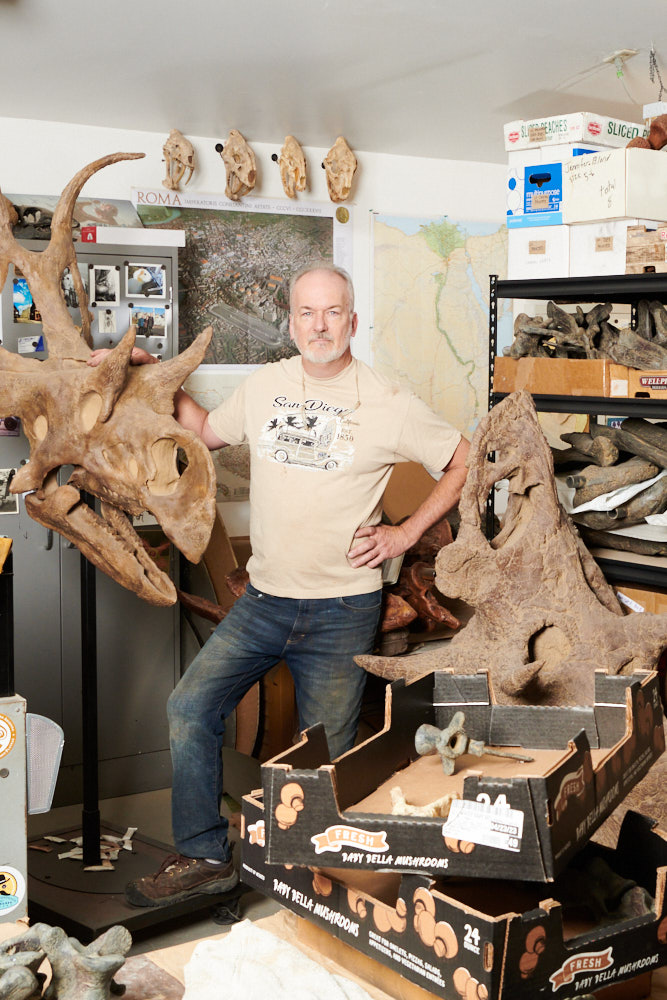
{"type": "Point", "coordinates": [603, 247]}
{"type": "Point", "coordinates": [638, 599]}
{"type": "Point", "coordinates": [560, 376]}
{"type": "Point", "coordinates": [538, 252]}
{"type": "Point", "coordinates": [646, 248]}
{"type": "Point", "coordinates": [581, 126]}
{"type": "Point", "coordinates": [510, 819]}
{"type": "Point", "coordinates": [535, 195]}
{"type": "Point", "coordinates": [473, 938]}
{"type": "Point", "coordinates": [647, 384]}
{"type": "Point", "coordinates": [615, 184]}
{"type": "Point", "coordinates": [550, 153]}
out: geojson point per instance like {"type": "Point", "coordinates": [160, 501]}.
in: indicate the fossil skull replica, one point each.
{"type": "Point", "coordinates": [545, 618]}
{"type": "Point", "coordinates": [340, 165]}
{"type": "Point", "coordinates": [113, 423]}
{"type": "Point", "coordinates": [179, 156]}
{"type": "Point", "coordinates": [240, 166]}
{"type": "Point", "coordinates": [292, 165]}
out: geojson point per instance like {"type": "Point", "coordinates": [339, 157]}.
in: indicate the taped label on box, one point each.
{"type": "Point", "coordinates": [495, 825]}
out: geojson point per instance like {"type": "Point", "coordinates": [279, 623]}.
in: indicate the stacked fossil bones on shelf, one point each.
{"type": "Point", "coordinates": [590, 335]}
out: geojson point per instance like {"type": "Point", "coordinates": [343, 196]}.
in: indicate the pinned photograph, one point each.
{"type": "Point", "coordinates": [104, 284]}
{"type": "Point", "coordinates": [106, 321]}
{"type": "Point", "coordinates": [9, 502]}
{"type": "Point", "coordinates": [149, 321]}
{"type": "Point", "coordinates": [67, 285]}
{"type": "Point", "coordinates": [145, 279]}
{"type": "Point", "coordinates": [25, 310]}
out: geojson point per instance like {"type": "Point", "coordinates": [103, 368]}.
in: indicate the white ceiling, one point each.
{"type": "Point", "coordinates": [428, 78]}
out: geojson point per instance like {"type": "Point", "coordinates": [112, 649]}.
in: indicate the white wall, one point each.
{"type": "Point", "coordinates": [39, 157]}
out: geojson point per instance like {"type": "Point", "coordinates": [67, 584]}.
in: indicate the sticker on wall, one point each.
{"type": "Point", "coordinates": [12, 889]}
{"type": "Point", "coordinates": [106, 321]}
{"type": "Point", "coordinates": [7, 735]}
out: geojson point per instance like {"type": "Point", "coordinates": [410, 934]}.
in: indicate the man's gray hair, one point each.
{"type": "Point", "coordinates": [323, 265]}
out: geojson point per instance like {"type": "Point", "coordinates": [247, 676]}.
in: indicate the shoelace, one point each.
{"type": "Point", "coordinates": [170, 861]}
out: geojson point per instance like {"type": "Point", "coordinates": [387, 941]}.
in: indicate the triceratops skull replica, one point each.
{"type": "Point", "coordinates": [114, 423]}
{"type": "Point", "coordinates": [179, 156]}
{"type": "Point", "coordinates": [545, 618]}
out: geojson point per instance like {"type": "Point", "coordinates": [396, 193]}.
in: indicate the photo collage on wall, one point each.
{"type": "Point", "coordinates": [108, 287]}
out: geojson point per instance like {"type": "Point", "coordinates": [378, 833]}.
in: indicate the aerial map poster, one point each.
{"type": "Point", "coordinates": [431, 309]}
{"type": "Point", "coordinates": [235, 267]}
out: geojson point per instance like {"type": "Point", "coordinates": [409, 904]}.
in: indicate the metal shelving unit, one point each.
{"type": "Point", "coordinates": [625, 289]}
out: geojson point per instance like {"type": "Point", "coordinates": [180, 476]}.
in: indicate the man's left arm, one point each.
{"type": "Point", "coordinates": [375, 543]}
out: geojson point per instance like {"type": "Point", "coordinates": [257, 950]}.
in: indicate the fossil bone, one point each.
{"type": "Point", "coordinates": [292, 165]}
{"type": "Point", "coordinates": [113, 423]}
{"type": "Point", "coordinates": [240, 166]}
{"type": "Point", "coordinates": [179, 155]}
{"type": "Point", "coordinates": [545, 619]}
{"type": "Point", "coordinates": [340, 165]}
{"type": "Point", "coordinates": [78, 972]}
{"type": "Point", "coordinates": [453, 742]}
{"type": "Point", "coordinates": [439, 807]}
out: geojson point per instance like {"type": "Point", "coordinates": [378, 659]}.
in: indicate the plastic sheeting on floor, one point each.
{"type": "Point", "coordinates": [252, 964]}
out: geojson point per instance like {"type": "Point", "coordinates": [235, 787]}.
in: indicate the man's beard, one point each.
{"type": "Point", "coordinates": [318, 356]}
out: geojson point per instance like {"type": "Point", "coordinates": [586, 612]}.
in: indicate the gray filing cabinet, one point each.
{"type": "Point", "coordinates": [137, 644]}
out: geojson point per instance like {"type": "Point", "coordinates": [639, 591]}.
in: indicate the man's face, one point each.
{"type": "Point", "coordinates": [321, 324]}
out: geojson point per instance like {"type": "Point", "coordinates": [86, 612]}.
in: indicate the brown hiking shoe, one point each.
{"type": "Point", "coordinates": [180, 878]}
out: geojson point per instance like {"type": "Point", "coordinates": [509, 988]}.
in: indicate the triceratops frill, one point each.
{"type": "Point", "coordinates": [114, 423]}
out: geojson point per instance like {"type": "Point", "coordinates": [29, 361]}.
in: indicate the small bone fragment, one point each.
{"type": "Point", "coordinates": [340, 165]}
{"type": "Point", "coordinates": [439, 807]}
{"type": "Point", "coordinates": [292, 165]}
{"type": "Point", "coordinates": [601, 450]}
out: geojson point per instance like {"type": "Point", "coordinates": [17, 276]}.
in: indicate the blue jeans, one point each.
{"type": "Point", "coordinates": [317, 639]}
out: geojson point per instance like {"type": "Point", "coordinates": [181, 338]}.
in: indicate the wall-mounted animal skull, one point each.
{"type": "Point", "coordinates": [340, 165]}
{"type": "Point", "coordinates": [239, 161]}
{"type": "Point", "coordinates": [179, 156]}
{"type": "Point", "coordinates": [113, 423]}
{"type": "Point", "coordinates": [292, 165]}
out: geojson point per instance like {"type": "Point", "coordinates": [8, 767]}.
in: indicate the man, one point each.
{"type": "Point", "coordinates": [324, 432]}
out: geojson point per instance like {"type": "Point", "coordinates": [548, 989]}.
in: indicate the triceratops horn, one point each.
{"type": "Point", "coordinates": [171, 374]}
{"type": "Point", "coordinates": [111, 374]}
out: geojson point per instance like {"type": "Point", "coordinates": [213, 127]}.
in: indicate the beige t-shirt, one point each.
{"type": "Point", "coordinates": [321, 452]}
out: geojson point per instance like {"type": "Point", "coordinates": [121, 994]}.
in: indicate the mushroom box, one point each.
{"type": "Point", "coordinates": [602, 921]}
{"type": "Point", "coordinates": [499, 791]}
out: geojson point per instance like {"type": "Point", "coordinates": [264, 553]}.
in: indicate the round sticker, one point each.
{"type": "Point", "coordinates": [7, 735]}
{"type": "Point", "coordinates": [12, 889]}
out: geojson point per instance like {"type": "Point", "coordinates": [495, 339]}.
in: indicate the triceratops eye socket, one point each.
{"type": "Point", "coordinates": [40, 427]}
{"type": "Point", "coordinates": [166, 477]}
{"type": "Point", "coordinates": [91, 405]}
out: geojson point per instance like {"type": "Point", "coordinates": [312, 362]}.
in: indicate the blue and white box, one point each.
{"type": "Point", "coordinates": [535, 195]}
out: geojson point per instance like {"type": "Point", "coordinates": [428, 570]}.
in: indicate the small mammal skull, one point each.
{"type": "Point", "coordinates": [179, 155]}
{"type": "Point", "coordinates": [239, 161]}
{"type": "Point", "coordinates": [340, 165]}
{"type": "Point", "coordinates": [292, 165]}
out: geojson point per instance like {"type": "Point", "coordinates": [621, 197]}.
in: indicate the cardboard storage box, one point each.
{"type": "Point", "coordinates": [639, 599]}
{"type": "Point", "coordinates": [615, 184]}
{"type": "Point", "coordinates": [538, 252]}
{"type": "Point", "coordinates": [602, 247]}
{"type": "Point", "coordinates": [508, 820]}
{"type": "Point", "coordinates": [475, 939]}
{"type": "Point", "coordinates": [647, 384]}
{"type": "Point", "coordinates": [551, 153]}
{"type": "Point", "coordinates": [577, 127]}
{"type": "Point", "coordinates": [535, 195]}
{"type": "Point", "coordinates": [560, 376]}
